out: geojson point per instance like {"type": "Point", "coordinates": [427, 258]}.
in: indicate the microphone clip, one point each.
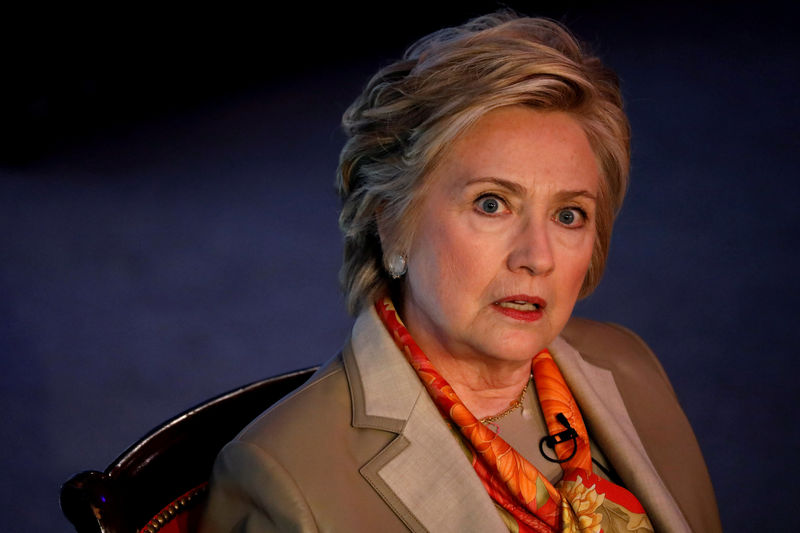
{"type": "Point", "coordinates": [569, 434]}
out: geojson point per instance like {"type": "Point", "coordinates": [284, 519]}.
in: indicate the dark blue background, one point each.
{"type": "Point", "coordinates": [168, 221]}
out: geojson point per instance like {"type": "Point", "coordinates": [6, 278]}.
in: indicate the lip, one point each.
{"type": "Point", "coordinates": [522, 314]}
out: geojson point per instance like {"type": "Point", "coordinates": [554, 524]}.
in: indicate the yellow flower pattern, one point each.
{"type": "Point", "coordinates": [580, 507]}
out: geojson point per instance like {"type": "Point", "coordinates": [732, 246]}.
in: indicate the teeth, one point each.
{"type": "Point", "coordinates": [520, 306]}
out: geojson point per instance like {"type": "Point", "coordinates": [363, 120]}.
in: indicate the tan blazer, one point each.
{"type": "Point", "coordinates": [361, 447]}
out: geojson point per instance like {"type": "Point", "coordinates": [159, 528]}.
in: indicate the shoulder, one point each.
{"type": "Point", "coordinates": [321, 405]}
{"type": "Point", "coordinates": [254, 484]}
{"type": "Point", "coordinates": [655, 412]}
{"type": "Point", "coordinates": [616, 348]}
{"type": "Point", "coordinates": [600, 339]}
{"type": "Point", "coordinates": [270, 477]}
{"type": "Point", "coordinates": [313, 426]}
{"type": "Point", "coordinates": [259, 477]}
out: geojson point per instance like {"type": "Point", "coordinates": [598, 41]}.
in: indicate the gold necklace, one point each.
{"type": "Point", "coordinates": [511, 408]}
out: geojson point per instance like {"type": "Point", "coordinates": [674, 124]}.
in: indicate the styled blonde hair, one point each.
{"type": "Point", "coordinates": [411, 110]}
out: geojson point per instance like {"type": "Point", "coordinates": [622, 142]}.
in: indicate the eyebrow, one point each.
{"type": "Point", "coordinates": [516, 188]}
{"type": "Point", "coordinates": [568, 195]}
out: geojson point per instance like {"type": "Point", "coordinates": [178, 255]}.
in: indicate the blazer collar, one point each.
{"type": "Point", "coordinates": [423, 474]}
{"type": "Point", "coordinates": [386, 387]}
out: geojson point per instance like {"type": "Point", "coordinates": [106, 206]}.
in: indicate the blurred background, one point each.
{"type": "Point", "coordinates": [168, 219]}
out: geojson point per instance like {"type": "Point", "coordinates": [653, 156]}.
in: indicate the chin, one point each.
{"type": "Point", "coordinates": [520, 347]}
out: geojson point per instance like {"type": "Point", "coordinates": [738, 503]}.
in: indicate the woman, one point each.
{"type": "Point", "coordinates": [479, 186]}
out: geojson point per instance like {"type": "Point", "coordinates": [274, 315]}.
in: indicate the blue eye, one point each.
{"type": "Point", "coordinates": [489, 204]}
{"type": "Point", "coordinates": [570, 216]}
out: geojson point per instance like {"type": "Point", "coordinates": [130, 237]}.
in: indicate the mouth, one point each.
{"type": "Point", "coordinates": [521, 307]}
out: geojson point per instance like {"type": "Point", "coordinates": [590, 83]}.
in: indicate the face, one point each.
{"type": "Point", "coordinates": [505, 238]}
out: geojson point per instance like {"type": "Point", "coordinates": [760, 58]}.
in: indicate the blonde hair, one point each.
{"type": "Point", "coordinates": [412, 109]}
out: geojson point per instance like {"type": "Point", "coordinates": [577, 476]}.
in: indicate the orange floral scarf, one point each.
{"type": "Point", "coordinates": [581, 502]}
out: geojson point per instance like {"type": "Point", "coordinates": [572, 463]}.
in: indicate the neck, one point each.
{"type": "Point", "coordinates": [485, 387]}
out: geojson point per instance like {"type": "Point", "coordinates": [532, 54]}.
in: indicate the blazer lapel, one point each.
{"type": "Point", "coordinates": [423, 474]}
{"type": "Point", "coordinates": [604, 412]}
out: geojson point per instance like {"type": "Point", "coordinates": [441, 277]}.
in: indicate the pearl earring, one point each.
{"type": "Point", "coordinates": [396, 265]}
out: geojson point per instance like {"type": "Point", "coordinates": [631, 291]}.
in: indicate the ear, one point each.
{"type": "Point", "coordinates": [394, 230]}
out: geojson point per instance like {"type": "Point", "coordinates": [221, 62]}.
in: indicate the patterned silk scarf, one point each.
{"type": "Point", "coordinates": [581, 501]}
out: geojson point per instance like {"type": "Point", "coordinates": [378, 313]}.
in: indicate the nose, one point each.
{"type": "Point", "coordinates": [531, 249]}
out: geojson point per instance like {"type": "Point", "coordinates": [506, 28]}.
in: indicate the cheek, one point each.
{"type": "Point", "coordinates": [445, 264]}
{"type": "Point", "coordinates": [439, 257]}
{"type": "Point", "coordinates": [576, 259]}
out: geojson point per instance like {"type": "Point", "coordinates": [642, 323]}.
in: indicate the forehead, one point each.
{"type": "Point", "coordinates": [522, 144]}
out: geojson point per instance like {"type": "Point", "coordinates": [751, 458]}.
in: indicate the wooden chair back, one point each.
{"type": "Point", "coordinates": [160, 483]}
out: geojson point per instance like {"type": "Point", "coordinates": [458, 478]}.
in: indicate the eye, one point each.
{"type": "Point", "coordinates": [489, 204]}
{"type": "Point", "coordinates": [571, 216]}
